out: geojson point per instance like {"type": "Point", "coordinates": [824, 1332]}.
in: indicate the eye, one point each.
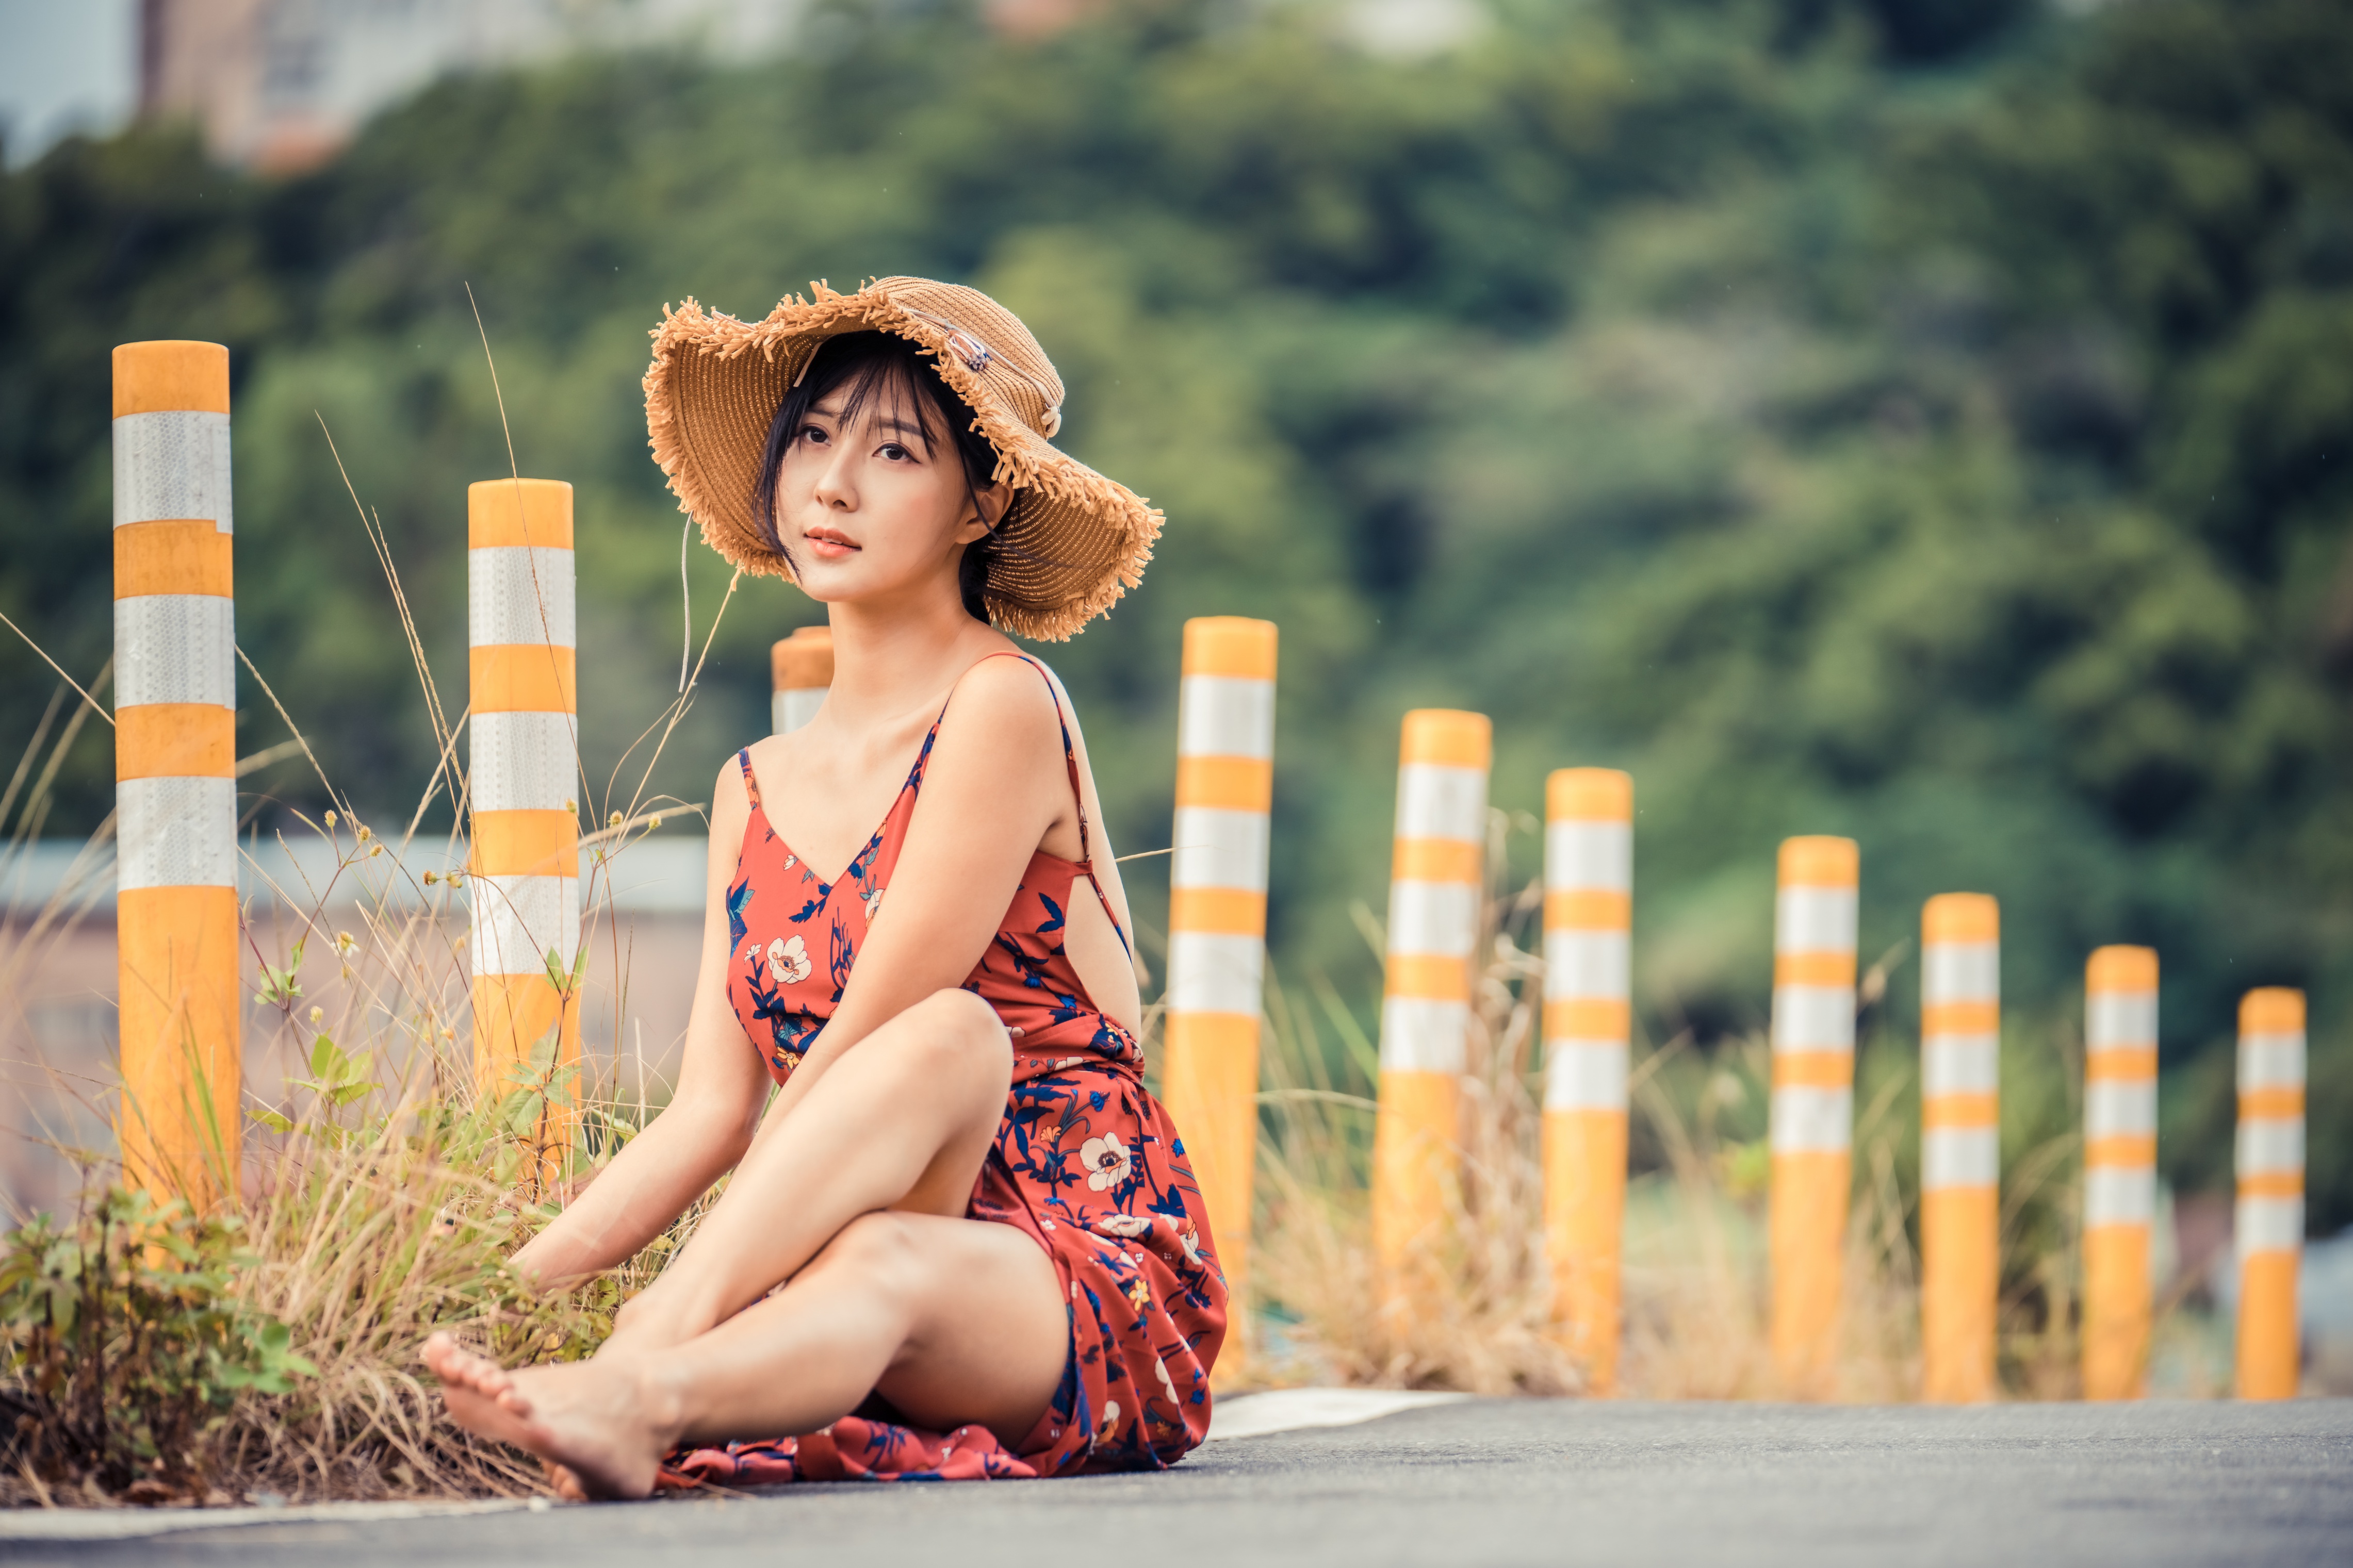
{"type": "Point", "coordinates": [815, 435]}
{"type": "Point", "coordinates": [895, 452]}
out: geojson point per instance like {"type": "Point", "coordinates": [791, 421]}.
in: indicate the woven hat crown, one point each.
{"type": "Point", "coordinates": [989, 340]}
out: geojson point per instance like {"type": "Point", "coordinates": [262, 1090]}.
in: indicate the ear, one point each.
{"type": "Point", "coordinates": [989, 503]}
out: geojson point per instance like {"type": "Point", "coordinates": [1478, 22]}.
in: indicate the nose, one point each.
{"type": "Point", "coordinates": [835, 491]}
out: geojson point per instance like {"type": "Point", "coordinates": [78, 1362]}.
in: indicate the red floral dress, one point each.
{"type": "Point", "coordinates": [1085, 1163]}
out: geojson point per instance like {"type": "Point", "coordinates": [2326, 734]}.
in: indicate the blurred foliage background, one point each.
{"type": "Point", "coordinates": [1914, 419]}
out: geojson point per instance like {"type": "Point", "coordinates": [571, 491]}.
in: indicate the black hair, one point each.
{"type": "Point", "coordinates": [859, 365]}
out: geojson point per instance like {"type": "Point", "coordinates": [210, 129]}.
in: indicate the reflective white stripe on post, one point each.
{"type": "Point", "coordinates": [1439, 802]}
{"type": "Point", "coordinates": [2119, 1194]}
{"type": "Point", "coordinates": [1813, 1018]}
{"type": "Point", "coordinates": [523, 761]}
{"type": "Point", "coordinates": [175, 833]}
{"type": "Point", "coordinates": [1219, 848]}
{"type": "Point", "coordinates": [1215, 972]}
{"type": "Point", "coordinates": [518, 920]}
{"type": "Point", "coordinates": [2269, 1225]}
{"type": "Point", "coordinates": [1420, 1034]}
{"type": "Point", "coordinates": [1812, 1120]}
{"type": "Point", "coordinates": [2119, 1108]}
{"type": "Point", "coordinates": [1433, 918]}
{"type": "Point", "coordinates": [169, 465]}
{"type": "Point", "coordinates": [176, 648]}
{"type": "Point", "coordinates": [1586, 1075]}
{"type": "Point", "coordinates": [1960, 1063]}
{"type": "Point", "coordinates": [520, 594]}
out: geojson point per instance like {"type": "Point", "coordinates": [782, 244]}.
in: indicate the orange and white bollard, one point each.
{"type": "Point", "coordinates": [802, 667]}
{"type": "Point", "coordinates": [1436, 879]}
{"type": "Point", "coordinates": [2119, 1166]}
{"type": "Point", "coordinates": [524, 736]}
{"type": "Point", "coordinates": [175, 770]}
{"type": "Point", "coordinates": [1587, 1027]}
{"type": "Point", "coordinates": [1960, 1144]}
{"type": "Point", "coordinates": [1813, 1101]}
{"type": "Point", "coordinates": [1216, 919]}
{"type": "Point", "coordinates": [2269, 1234]}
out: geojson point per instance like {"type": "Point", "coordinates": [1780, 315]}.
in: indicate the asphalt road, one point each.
{"type": "Point", "coordinates": [1492, 1483]}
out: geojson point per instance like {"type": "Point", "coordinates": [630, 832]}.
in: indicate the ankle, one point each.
{"type": "Point", "coordinates": [659, 1396]}
{"type": "Point", "coordinates": [655, 1320]}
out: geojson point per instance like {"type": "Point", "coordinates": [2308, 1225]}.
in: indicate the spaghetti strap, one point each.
{"type": "Point", "coordinates": [750, 783]}
{"type": "Point", "coordinates": [1078, 794]}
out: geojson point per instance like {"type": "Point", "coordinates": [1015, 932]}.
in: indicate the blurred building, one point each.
{"type": "Point", "coordinates": [281, 84]}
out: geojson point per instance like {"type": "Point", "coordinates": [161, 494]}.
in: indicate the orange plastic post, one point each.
{"type": "Point", "coordinates": [2269, 1237]}
{"type": "Point", "coordinates": [1587, 1027]}
{"type": "Point", "coordinates": [2119, 1167]}
{"type": "Point", "coordinates": [1217, 927]}
{"type": "Point", "coordinates": [802, 668]}
{"type": "Point", "coordinates": [525, 788]}
{"type": "Point", "coordinates": [175, 771]}
{"type": "Point", "coordinates": [1435, 881]}
{"type": "Point", "coordinates": [1960, 1144]}
{"type": "Point", "coordinates": [1813, 1103]}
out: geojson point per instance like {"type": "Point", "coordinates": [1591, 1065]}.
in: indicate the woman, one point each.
{"type": "Point", "coordinates": [960, 1239]}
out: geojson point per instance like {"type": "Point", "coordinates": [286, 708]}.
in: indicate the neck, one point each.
{"type": "Point", "coordinates": [891, 657]}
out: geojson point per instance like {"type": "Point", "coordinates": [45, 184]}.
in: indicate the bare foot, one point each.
{"type": "Point", "coordinates": [589, 1422]}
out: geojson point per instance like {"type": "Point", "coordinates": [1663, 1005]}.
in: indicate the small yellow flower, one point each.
{"type": "Point", "coordinates": [655, 820]}
{"type": "Point", "coordinates": [317, 1014]}
{"type": "Point", "coordinates": [346, 943]}
{"type": "Point", "coordinates": [431, 877]}
{"type": "Point", "coordinates": [615, 821]}
{"type": "Point", "coordinates": [363, 832]}
{"type": "Point", "coordinates": [331, 819]}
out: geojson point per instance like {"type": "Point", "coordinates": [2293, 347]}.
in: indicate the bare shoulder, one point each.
{"type": "Point", "coordinates": [728, 794]}
{"type": "Point", "coordinates": [1004, 702]}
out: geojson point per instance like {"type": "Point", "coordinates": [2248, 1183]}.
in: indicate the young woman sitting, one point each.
{"type": "Point", "coordinates": [959, 1237]}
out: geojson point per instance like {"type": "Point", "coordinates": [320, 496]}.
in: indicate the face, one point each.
{"type": "Point", "coordinates": [873, 505]}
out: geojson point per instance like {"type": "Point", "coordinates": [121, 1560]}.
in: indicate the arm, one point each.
{"type": "Point", "coordinates": [995, 787]}
{"type": "Point", "coordinates": [710, 1120]}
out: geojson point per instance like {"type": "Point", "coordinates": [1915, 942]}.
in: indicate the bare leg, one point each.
{"type": "Point", "coordinates": [955, 1321]}
{"type": "Point", "coordinates": [902, 1122]}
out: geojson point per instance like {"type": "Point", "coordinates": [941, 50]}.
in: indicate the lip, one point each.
{"type": "Point", "coordinates": [829, 544]}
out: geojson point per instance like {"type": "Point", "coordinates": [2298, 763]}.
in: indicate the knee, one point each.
{"type": "Point", "coordinates": [956, 1033]}
{"type": "Point", "coordinates": [880, 1249]}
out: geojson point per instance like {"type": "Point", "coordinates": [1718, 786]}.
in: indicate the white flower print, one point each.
{"type": "Point", "coordinates": [874, 904]}
{"type": "Point", "coordinates": [1105, 1158]}
{"type": "Point", "coordinates": [1128, 1225]}
{"type": "Point", "coordinates": [1192, 1240]}
{"type": "Point", "coordinates": [791, 861]}
{"type": "Point", "coordinates": [1110, 1420]}
{"type": "Point", "coordinates": [1166, 1382]}
{"type": "Point", "coordinates": [788, 961]}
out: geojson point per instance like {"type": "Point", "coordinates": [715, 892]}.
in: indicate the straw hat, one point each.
{"type": "Point", "coordinates": [1073, 540]}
